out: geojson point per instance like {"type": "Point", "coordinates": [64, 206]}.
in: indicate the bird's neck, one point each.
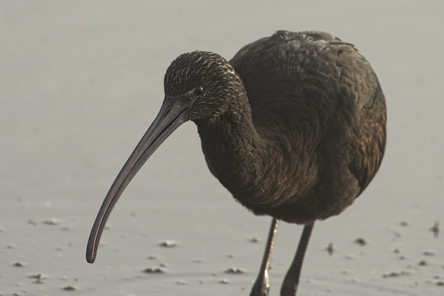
{"type": "Point", "coordinates": [236, 153]}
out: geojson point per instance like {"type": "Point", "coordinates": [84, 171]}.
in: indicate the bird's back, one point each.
{"type": "Point", "coordinates": [314, 94]}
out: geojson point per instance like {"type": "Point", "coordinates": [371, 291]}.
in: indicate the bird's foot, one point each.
{"type": "Point", "coordinates": [288, 291]}
{"type": "Point", "coordinates": [260, 288]}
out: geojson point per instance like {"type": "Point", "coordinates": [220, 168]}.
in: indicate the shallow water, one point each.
{"type": "Point", "coordinates": [80, 82]}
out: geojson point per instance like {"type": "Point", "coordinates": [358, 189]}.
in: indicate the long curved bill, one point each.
{"type": "Point", "coordinates": [171, 115]}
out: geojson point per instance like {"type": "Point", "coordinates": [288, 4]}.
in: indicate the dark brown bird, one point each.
{"type": "Point", "coordinates": [294, 126]}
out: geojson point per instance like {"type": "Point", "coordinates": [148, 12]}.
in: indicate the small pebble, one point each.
{"type": "Point", "coordinates": [32, 222]}
{"type": "Point", "coordinates": [224, 281]}
{"type": "Point", "coordinates": [360, 241]}
{"type": "Point", "coordinates": [153, 270]}
{"type": "Point", "coordinates": [395, 274]}
{"type": "Point", "coordinates": [440, 283]}
{"type": "Point", "coordinates": [69, 288]}
{"type": "Point", "coordinates": [168, 244]}
{"type": "Point", "coordinates": [50, 221]}
{"type": "Point", "coordinates": [435, 229]}
{"type": "Point", "coordinates": [349, 257]}
{"type": "Point", "coordinates": [330, 248]}
{"type": "Point", "coordinates": [397, 234]}
{"type": "Point", "coordinates": [422, 263]}
{"type": "Point", "coordinates": [181, 282]}
{"type": "Point", "coordinates": [233, 270]}
{"type": "Point", "coordinates": [428, 253]}
{"type": "Point", "coordinates": [38, 277]}
{"type": "Point", "coordinates": [404, 223]}
{"type": "Point", "coordinates": [19, 264]}
{"type": "Point", "coordinates": [254, 240]}
{"type": "Point", "coordinates": [152, 257]}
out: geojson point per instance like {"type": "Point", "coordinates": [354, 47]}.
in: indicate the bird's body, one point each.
{"type": "Point", "coordinates": [306, 133]}
{"type": "Point", "coordinates": [293, 126]}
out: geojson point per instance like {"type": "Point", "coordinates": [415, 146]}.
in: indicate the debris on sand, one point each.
{"type": "Point", "coordinates": [168, 244]}
{"type": "Point", "coordinates": [422, 263]}
{"type": "Point", "coordinates": [395, 274]}
{"type": "Point", "coordinates": [361, 241]}
{"type": "Point", "coordinates": [69, 288]}
{"type": "Point", "coordinates": [404, 223]}
{"type": "Point", "coordinates": [52, 221]}
{"type": "Point", "coordinates": [234, 270]}
{"type": "Point", "coordinates": [38, 277]}
{"type": "Point", "coordinates": [254, 239]}
{"type": "Point", "coordinates": [19, 264]}
{"type": "Point", "coordinates": [435, 229]}
{"type": "Point", "coordinates": [330, 249]}
{"type": "Point", "coordinates": [153, 270]}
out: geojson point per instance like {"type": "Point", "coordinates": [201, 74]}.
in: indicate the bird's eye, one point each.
{"type": "Point", "coordinates": [198, 90]}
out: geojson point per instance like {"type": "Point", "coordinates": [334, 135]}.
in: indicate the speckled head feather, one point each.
{"type": "Point", "coordinates": [193, 69]}
{"type": "Point", "coordinates": [221, 85]}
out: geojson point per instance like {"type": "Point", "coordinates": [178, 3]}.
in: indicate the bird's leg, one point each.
{"type": "Point", "coordinates": [291, 281]}
{"type": "Point", "coordinates": [262, 284]}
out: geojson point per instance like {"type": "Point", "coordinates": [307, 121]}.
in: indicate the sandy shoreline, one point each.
{"type": "Point", "coordinates": [79, 84]}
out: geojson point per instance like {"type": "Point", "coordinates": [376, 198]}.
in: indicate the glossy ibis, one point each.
{"type": "Point", "coordinates": [294, 126]}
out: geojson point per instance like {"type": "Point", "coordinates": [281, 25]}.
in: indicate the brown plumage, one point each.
{"type": "Point", "coordinates": [293, 126]}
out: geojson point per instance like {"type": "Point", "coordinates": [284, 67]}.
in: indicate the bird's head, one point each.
{"type": "Point", "coordinates": [204, 81]}
{"type": "Point", "coordinates": [197, 87]}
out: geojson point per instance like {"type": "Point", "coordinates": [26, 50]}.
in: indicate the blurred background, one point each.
{"type": "Point", "coordinates": [80, 82]}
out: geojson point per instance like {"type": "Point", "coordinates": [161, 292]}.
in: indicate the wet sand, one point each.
{"type": "Point", "coordinates": [80, 82]}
